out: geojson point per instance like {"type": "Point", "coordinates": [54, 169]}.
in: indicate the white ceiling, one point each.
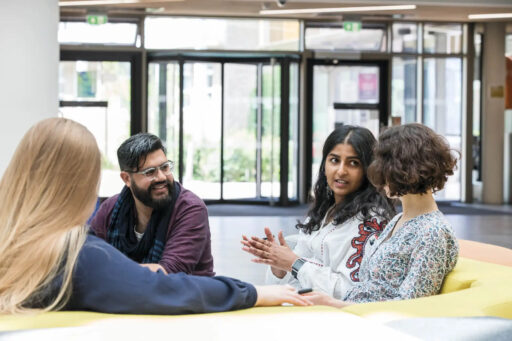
{"type": "Point", "coordinates": [432, 10]}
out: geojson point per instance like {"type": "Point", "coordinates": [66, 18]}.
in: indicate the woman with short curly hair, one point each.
{"type": "Point", "coordinates": [418, 248]}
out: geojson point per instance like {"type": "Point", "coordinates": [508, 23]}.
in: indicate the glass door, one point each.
{"type": "Point", "coordinates": [202, 108]}
{"type": "Point", "coordinates": [442, 111]}
{"type": "Point", "coordinates": [270, 131]}
{"type": "Point", "coordinates": [221, 122]}
{"type": "Point", "coordinates": [184, 110]}
{"type": "Point", "coordinates": [241, 150]}
{"type": "Point", "coordinates": [345, 93]}
{"type": "Point", "coordinates": [164, 107]}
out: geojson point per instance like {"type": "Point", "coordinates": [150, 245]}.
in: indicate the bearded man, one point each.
{"type": "Point", "coordinates": [154, 220]}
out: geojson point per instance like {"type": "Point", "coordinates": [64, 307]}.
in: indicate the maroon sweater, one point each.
{"type": "Point", "coordinates": [188, 248]}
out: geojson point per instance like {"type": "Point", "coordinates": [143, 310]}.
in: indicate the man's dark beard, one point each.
{"type": "Point", "coordinates": [144, 196]}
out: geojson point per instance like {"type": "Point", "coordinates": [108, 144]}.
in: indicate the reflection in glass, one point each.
{"type": "Point", "coordinates": [442, 109]}
{"type": "Point", "coordinates": [442, 38]}
{"type": "Point", "coordinates": [240, 128]}
{"type": "Point", "coordinates": [164, 106]}
{"type": "Point", "coordinates": [336, 38]}
{"type": "Point", "coordinates": [84, 33]}
{"type": "Point", "coordinates": [107, 82]}
{"type": "Point", "coordinates": [270, 131]}
{"type": "Point", "coordinates": [293, 144]}
{"type": "Point", "coordinates": [222, 34]}
{"type": "Point", "coordinates": [403, 89]}
{"type": "Point", "coordinates": [202, 128]}
{"type": "Point", "coordinates": [405, 37]}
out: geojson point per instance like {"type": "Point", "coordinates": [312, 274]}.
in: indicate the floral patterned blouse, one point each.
{"type": "Point", "coordinates": [411, 263]}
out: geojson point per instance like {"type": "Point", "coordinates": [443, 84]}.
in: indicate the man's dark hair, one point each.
{"type": "Point", "coordinates": [363, 202]}
{"type": "Point", "coordinates": [133, 152]}
{"type": "Point", "coordinates": [411, 159]}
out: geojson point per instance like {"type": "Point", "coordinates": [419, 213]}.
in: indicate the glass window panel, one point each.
{"type": "Point", "coordinates": [240, 128]}
{"type": "Point", "coordinates": [353, 84]}
{"type": "Point", "coordinates": [84, 33]}
{"type": "Point", "coordinates": [293, 142]}
{"type": "Point", "coordinates": [442, 110]}
{"type": "Point", "coordinates": [336, 38]}
{"type": "Point", "coordinates": [477, 97]}
{"type": "Point", "coordinates": [403, 88]}
{"type": "Point", "coordinates": [508, 45]}
{"type": "Point", "coordinates": [100, 82]}
{"type": "Point", "coordinates": [442, 38]}
{"type": "Point", "coordinates": [358, 117]}
{"type": "Point", "coordinates": [164, 107]}
{"type": "Point", "coordinates": [323, 113]}
{"type": "Point", "coordinates": [222, 34]}
{"type": "Point", "coordinates": [405, 37]}
{"type": "Point", "coordinates": [202, 128]}
{"type": "Point", "coordinates": [341, 84]}
{"type": "Point", "coordinates": [271, 139]}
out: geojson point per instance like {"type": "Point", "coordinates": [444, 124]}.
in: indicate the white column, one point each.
{"type": "Point", "coordinates": [493, 111]}
{"type": "Point", "coordinates": [29, 60]}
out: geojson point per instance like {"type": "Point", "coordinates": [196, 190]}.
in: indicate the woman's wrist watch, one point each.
{"type": "Point", "coordinates": [299, 262]}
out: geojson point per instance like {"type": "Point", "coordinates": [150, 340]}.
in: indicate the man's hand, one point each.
{"type": "Point", "coordinates": [279, 256]}
{"type": "Point", "coordinates": [154, 267]}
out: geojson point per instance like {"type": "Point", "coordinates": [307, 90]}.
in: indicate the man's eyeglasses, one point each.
{"type": "Point", "coordinates": [151, 173]}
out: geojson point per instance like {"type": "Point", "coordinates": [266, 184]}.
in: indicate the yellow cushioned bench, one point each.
{"type": "Point", "coordinates": [473, 288]}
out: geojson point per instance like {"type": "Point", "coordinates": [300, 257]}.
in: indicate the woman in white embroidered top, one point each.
{"type": "Point", "coordinates": [347, 214]}
{"type": "Point", "coordinates": [418, 248]}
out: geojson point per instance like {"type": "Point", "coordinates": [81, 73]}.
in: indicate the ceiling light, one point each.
{"type": "Point", "coordinates": [339, 9]}
{"type": "Point", "coordinates": [490, 16]}
{"type": "Point", "coordinates": [93, 3]}
{"type": "Point", "coordinates": [155, 10]}
{"type": "Point", "coordinates": [101, 2]}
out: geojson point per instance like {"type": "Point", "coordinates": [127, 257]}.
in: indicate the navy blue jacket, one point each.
{"type": "Point", "coordinates": [105, 280]}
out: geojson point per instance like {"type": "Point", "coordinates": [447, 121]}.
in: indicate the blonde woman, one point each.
{"type": "Point", "coordinates": [48, 262]}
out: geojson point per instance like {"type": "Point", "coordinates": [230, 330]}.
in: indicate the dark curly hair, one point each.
{"type": "Point", "coordinates": [411, 159]}
{"type": "Point", "coordinates": [365, 201]}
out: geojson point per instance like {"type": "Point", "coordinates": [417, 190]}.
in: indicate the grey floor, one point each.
{"type": "Point", "coordinates": [493, 227]}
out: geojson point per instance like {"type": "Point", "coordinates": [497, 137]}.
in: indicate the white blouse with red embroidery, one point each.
{"type": "Point", "coordinates": [333, 254]}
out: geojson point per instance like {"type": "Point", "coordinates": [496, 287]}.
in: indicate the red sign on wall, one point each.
{"type": "Point", "coordinates": [368, 86]}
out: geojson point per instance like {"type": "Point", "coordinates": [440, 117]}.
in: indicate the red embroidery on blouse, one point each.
{"type": "Point", "coordinates": [367, 229]}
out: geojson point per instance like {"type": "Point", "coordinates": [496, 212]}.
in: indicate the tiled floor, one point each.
{"type": "Point", "coordinates": [231, 261]}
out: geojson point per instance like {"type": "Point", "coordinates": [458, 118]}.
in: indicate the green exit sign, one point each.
{"type": "Point", "coordinates": [97, 19]}
{"type": "Point", "coordinates": [352, 26]}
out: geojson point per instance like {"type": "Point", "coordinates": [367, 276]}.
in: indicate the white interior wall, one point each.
{"type": "Point", "coordinates": [29, 60]}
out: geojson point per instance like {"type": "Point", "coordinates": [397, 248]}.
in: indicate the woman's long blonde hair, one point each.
{"type": "Point", "coordinates": [47, 192]}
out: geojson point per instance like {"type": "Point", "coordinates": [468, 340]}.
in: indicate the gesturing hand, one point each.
{"type": "Point", "coordinates": [279, 256]}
